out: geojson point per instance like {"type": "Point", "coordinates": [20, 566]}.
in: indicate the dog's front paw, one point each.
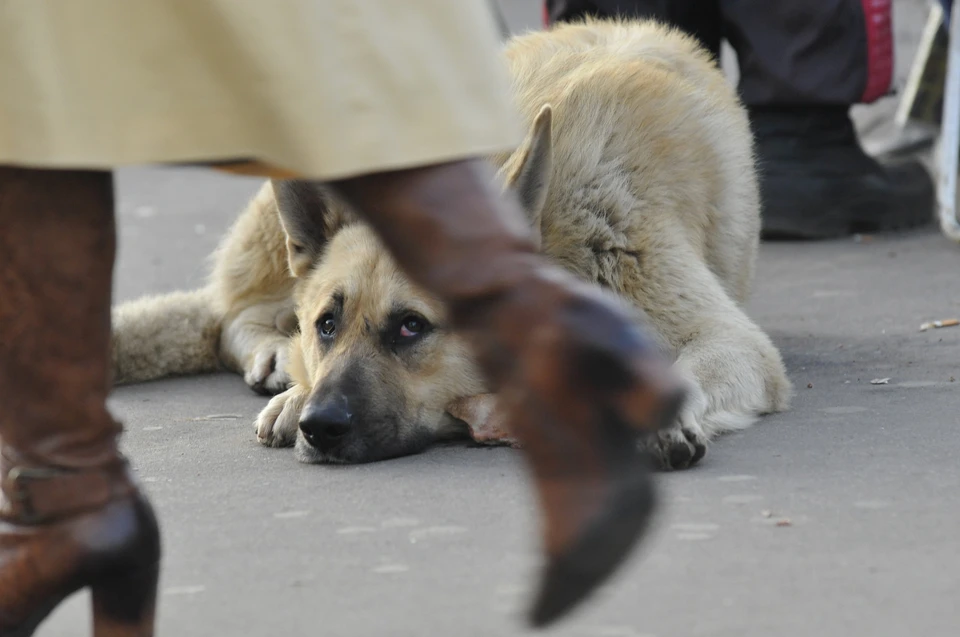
{"type": "Point", "coordinates": [684, 443]}
{"type": "Point", "coordinates": [485, 422]}
{"type": "Point", "coordinates": [267, 373]}
{"type": "Point", "coordinates": [278, 422]}
{"type": "Point", "coordinates": [675, 448]}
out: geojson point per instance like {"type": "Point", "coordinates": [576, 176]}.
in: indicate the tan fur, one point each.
{"type": "Point", "coordinates": [637, 174]}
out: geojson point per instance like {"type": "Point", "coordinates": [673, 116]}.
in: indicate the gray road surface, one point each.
{"type": "Point", "coordinates": [837, 518]}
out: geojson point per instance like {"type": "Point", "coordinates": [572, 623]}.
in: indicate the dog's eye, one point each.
{"type": "Point", "coordinates": [327, 325]}
{"type": "Point", "coordinates": [412, 326]}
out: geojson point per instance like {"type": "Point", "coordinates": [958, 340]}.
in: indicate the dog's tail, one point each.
{"type": "Point", "coordinates": [165, 335]}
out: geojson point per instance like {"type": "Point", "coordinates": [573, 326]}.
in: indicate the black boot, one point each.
{"type": "Point", "coordinates": [817, 182]}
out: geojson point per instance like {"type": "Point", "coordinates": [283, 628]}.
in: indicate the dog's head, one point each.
{"type": "Point", "coordinates": [376, 351]}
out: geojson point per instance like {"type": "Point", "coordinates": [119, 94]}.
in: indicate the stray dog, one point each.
{"type": "Point", "coordinates": [637, 174]}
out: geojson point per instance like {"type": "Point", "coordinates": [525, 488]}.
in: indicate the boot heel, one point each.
{"type": "Point", "coordinates": [125, 605]}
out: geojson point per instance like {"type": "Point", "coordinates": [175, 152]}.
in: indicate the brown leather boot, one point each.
{"type": "Point", "coordinates": [71, 516]}
{"type": "Point", "coordinates": [578, 378]}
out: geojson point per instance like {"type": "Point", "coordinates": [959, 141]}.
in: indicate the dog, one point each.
{"type": "Point", "coordinates": [637, 174]}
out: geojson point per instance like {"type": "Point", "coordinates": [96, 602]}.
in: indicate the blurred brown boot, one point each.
{"type": "Point", "coordinates": [578, 378]}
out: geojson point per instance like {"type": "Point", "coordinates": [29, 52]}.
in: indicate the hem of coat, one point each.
{"type": "Point", "coordinates": [275, 165]}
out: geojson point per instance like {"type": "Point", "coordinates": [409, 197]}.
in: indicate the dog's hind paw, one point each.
{"type": "Point", "coordinates": [278, 422]}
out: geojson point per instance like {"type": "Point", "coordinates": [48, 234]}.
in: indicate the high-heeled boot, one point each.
{"type": "Point", "coordinates": [71, 515]}
{"type": "Point", "coordinates": [578, 378]}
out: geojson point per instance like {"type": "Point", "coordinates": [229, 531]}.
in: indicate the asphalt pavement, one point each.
{"type": "Point", "coordinates": [837, 518]}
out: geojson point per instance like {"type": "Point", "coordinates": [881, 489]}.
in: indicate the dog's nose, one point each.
{"type": "Point", "coordinates": [327, 422]}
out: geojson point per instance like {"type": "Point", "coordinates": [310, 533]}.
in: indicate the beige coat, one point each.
{"type": "Point", "coordinates": [320, 88]}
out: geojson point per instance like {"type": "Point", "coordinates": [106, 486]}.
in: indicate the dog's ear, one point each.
{"type": "Point", "coordinates": [533, 163]}
{"type": "Point", "coordinates": [305, 214]}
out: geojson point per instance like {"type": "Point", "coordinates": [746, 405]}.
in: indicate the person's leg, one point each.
{"type": "Point", "coordinates": [578, 377]}
{"type": "Point", "coordinates": [802, 66]}
{"type": "Point", "coordinates": [697, 17]}
{"type": "Point", "coordinates": [70, 513]}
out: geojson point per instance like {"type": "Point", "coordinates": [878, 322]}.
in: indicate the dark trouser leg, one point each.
{"type": "Point", "coordinates": [817, 53]}
{"type": "Point", "coordinates": [71, 516]}
{"type": "Point", "coordinates": [789, 53]}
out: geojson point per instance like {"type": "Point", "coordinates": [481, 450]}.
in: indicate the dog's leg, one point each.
{"type": "Point", "coordinates": [734, 371]}
{"type": "Point", "coordinates": [277, 423]}
{"type": "Point", "coordinates": [256, 343]}
{"type": "Point", "coordinates": [737, 376]}
{"type": "Point", "coordinates": [486, 423]}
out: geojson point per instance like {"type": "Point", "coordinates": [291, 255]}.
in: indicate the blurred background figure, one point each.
{"type": "Point", "coordinates": [802, 66]}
